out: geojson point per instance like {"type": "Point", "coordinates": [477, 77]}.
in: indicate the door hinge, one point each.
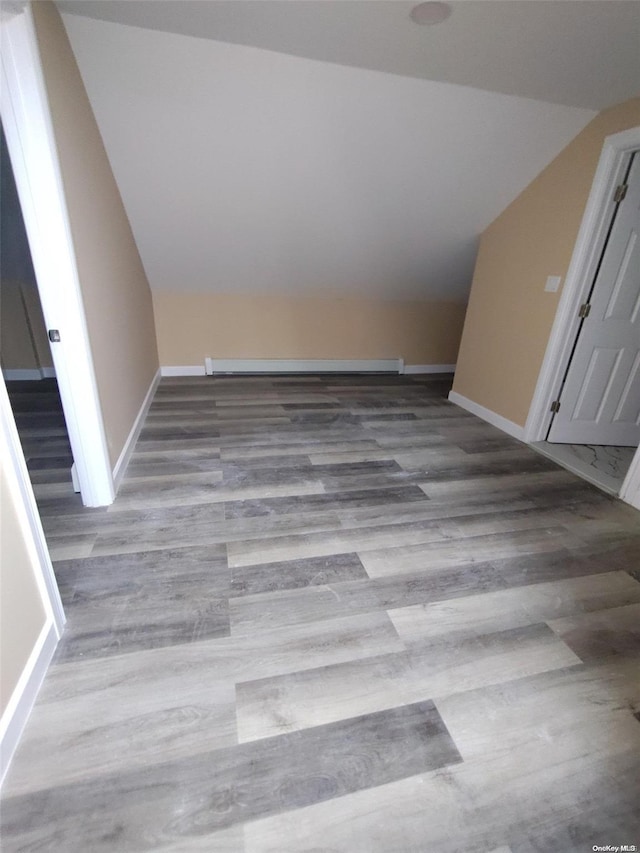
{"type": "Point", "coordinates": [555, 406]}
{"type": "Point", "coordinates": [54, 336]}
{"type": "Point", "coordinates": [620, 193]}
{"type": "Point", "coordinates": [585, 310]}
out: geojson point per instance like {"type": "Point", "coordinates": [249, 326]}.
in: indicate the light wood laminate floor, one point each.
{"type": "Point", "coordinates": [335, 615]}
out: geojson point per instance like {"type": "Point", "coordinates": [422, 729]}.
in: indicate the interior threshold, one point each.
{"type": "Point", "coordinates": [604, 466]}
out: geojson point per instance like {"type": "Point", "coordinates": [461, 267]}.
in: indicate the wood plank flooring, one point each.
{"type": "Point", "coordinates": [333, 614]}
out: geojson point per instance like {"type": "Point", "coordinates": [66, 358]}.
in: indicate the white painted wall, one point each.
{"type": "Point", "coordinates": [245, 170]}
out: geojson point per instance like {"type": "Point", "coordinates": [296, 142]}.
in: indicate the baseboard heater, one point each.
{"type": "Point", "coordinates": [215, 366]}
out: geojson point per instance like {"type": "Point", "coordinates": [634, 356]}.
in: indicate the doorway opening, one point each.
{"type": "Point", "coordinates": [25, 355]}
{"type": "Point", "coordinates": [586, 409]}
{"type": "Point", "coordinates": [28, 127]}
{"type": "Point", "coordinates": [595, 424]}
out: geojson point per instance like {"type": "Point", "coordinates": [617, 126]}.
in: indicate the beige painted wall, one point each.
{"type": "Point", "coordinates": [22, 613]}
{"type": "Point", "coordinates": [23, 335]}
{"type": "Point", "coordinates": [510, 315]}
{"type": "Point", "coordinates": [37, 326]}
{"type": "Point", "coordinates": [115, 291]}
{"type": "Point", "coordinates": [192, 326]}
{"type": "Point", "coordinates": [16, 345]}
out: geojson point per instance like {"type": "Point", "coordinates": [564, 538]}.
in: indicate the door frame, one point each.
{"type": "Point", "coordinates": [19, 488]}
{"type": "Point", "coordinates": [10, 444]}
{"type": "Point", "coordinates": [28, 129]}
{"type": "Point", "coordinates": [588, 248]}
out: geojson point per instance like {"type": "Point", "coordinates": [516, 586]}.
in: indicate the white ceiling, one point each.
{"type": "Point", "coordinates": [246, 170]}
{"type": "Point", "coordinates": [581, 53]}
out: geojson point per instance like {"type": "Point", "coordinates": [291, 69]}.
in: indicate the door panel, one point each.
{"type": "Point", "coordinates": [622, 303]}
{"type": "Point", "coordinates": [600, 402]}
{"type": "Point", "coordinates": [628, 405]}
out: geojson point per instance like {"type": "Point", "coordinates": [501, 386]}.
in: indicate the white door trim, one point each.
{"type": "Point", "coordinates": [18, 473]}
{"type": "Point", "coordinates": [21, 701]}
{"type": "Point", "coordinates": [27, 123]}
{"type": "Point", "coordinates": [586, 254]}
{"type": "Point", "coordinates": [25, 693]}
{"type": "Point", "coordinates": [630, 491]}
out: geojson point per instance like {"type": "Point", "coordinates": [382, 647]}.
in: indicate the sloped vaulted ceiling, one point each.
{"type": "Point", "coordinates": [248, 170]}
{"type": "Point", "coordinates": [580, 53]}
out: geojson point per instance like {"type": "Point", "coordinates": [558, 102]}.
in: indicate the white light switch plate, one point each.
{"type": "Point", "coordinates": [553, 283]}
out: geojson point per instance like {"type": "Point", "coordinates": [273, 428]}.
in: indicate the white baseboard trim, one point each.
{"type": "Point", "coordinates": [123, 460]}
{"type": "Point", "coordinates": [183, 370]}
{"type": "Point", "coordinates": [429, 368]}
{"type": "Point", "coordinates": [286, 365]}
{"type": "Point", "coordinates": [303, 365]}
{"type": "Point", "coordinates": [24, 695]}
{"type": "Point", "coordinates": [48, 372]}
{"type": "Point", "coordinates": [511, 428]}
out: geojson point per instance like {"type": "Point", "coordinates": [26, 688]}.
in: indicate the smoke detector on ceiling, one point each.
{"type": "Point", "coordinates": [430, 13]}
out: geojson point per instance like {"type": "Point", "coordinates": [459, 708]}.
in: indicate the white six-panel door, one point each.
{"type": "Point", "coordinates": [600, 400]}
